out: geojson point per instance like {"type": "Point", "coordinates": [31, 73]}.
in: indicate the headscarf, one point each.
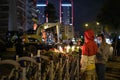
{"type": "Point", "coordinates": [89, 35]}
{"type": "Point", "coordinates": [90, 47]}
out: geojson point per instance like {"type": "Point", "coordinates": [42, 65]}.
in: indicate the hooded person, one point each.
{"type": "Point", "coordinates": [88, 57]}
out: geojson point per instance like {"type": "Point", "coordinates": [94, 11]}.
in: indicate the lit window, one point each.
{"type": "Point", "coordinates": [66, 5]}
{"type": "Point", "coordinates": [41, 5]}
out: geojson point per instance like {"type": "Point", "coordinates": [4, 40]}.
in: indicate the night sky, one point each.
{"type": "Point", "coordinates": [84, 10]}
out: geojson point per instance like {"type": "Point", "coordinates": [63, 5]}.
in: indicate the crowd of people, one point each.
{"type": "Point", "coordinates": [94, 56]}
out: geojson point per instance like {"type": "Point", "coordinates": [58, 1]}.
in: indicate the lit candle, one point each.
{"type": "Point", "coordinates": [31, 55]}
{"type": "Point", "coordinates": [17, 57]}
{"type": "Point", "coordinates": [38, 53]}
{"type": "Point", "coordinates": [78, 47]}
{"type": "Point", "coordinates": [73, 48]}
{"type": "Point", "coordinates": [67, 48]}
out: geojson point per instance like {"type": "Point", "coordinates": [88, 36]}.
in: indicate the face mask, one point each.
{"type": "Point", "coordinates": [99, 41]}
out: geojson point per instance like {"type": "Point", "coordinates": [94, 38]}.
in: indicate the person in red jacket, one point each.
{"type": "Point", "coordinates": [88, 57]}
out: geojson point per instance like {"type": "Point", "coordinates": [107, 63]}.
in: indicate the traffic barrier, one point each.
{"type": "Point", "coordinates": [47, 67]}
{"type": "Point", "coordinates": [14, 73]}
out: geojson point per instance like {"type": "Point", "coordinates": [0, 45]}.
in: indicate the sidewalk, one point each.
{"type": "Point", "coordinates": [113, 69]}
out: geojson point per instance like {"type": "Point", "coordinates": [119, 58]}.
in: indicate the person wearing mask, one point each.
{"type": "Point", "coordinates": [102, 56]}
{"type": "Point", "coordinates": [89, 50]}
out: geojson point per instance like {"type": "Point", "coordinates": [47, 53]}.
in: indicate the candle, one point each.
{"type": "Point", "coordinates": [60, 49]}
{"type": "Point", "coordinates": [73, 48]}
{"type": "Point", "coordinates": [38, 53]}
{"type": "Point", "coordinates": [67, 48]}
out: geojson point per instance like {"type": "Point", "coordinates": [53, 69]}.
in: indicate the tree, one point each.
{"type": "Point", "coordinates": [110, 14]}
{"type": "Point", "coordinates": [50, 12]}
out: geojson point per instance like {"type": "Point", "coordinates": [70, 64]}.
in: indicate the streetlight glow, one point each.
{"type": "Point", "coordinates": [86, 25]}
{"type": "Point", "coordinates": [97, 23]}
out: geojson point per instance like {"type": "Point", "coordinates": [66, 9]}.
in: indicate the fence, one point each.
{"type": "Point", "coordinates": [55, 66]}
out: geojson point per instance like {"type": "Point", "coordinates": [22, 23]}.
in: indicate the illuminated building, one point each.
{"type": "Point", "coordinates": [66, 17]}
{"type": "Point", "coordinates": [16, 14]}
{"type": "Point", "coordinates": [66, 12]}
{"type": "Point", "coordinates": [31, 14]}
{"type": "Point", "coordinates": [41, 4]}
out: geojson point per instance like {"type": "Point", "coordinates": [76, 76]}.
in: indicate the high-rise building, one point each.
{"type": "Point", "coordinates": [4, 11]}
{"type": "Point", "coordinates": [17, 14]}
{"type": "Point", "coordinates": [12, 15]}
{"type": "Point", "coordinates": [66, 17]}
{"type": "Point", "coordinates": [66, 12]}
{"type": "Point", "coordinates": [41, 4]}
{"type": "Point", "coordinates": [31, 14]}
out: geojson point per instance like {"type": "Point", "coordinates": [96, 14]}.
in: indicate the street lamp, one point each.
{"type": "Point", "coordinates": [97, 23]}
{"type": "Point", "coordinates": [86, 25]}
{"type": "Point", "coordinates": [99, 27]}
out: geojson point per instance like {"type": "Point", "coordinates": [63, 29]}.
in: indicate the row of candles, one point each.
{"type": "Point", "coordinates": [65, 49]}
{"type": "Point", "coordinates": [68, 49]}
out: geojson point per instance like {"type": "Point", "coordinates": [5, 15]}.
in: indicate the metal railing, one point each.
{"type": "Point", "coordinates": [42, 67]}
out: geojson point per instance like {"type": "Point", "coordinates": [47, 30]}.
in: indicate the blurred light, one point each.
{"type": "Point", "coordinates": [45, 27]}
{"type": "Point", "coordinates": [41, 5]}
{"type": "Point", "coordinates": [67, 49]}
{"type": "Point", "coordinates": [74, 41]}
{"type": "Point", "coordinates": [81, 36]}
{"type": "Point", "coordinates": [73, 48]}
{"type": "Point", "coordinates": [61, 49]}
{"type": "Point", "coordinates": [86, 25]}
{"type": "Point", "coordinates": [66, 5]}
{"type": "Point", "coordinates": [119, 37]}
{"type": "Point", "coordinates": [95, 40]}
{"type": "Point", "coordinates": [108, 41]}
{"type": "Point", "coordinates": [34, 26]}
{"type": "Point", "coordinates": [97, 23]}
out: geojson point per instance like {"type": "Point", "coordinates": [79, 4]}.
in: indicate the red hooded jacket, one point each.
{"type": "Point", "coordinates": [90, 47]}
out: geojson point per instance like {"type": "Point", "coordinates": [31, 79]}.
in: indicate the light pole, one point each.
{"type": "Point", "coordinates": [99, 29]}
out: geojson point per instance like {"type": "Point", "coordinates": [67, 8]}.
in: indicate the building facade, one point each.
{"type": "Point", "coordinates": [66, 12]}
{"type": "Point", "coordinates": [41, 4]}
{"type": "Point", "coordinates": [4, 11]}
{"type": "Point", "coordinates": [66, 17]}
{"type": "Point", "coordinates": [31, 14]}
{"type": "Point", "coordinates": [17, 14]}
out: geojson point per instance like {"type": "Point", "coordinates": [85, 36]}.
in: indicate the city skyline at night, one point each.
{"type": "Point", "coordinates": [84, 11]}
{"type": "Point", "coordinates": [64, 11]}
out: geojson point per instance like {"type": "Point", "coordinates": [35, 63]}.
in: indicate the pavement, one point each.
{"type": "Point", "coordinates": [113, 69]}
